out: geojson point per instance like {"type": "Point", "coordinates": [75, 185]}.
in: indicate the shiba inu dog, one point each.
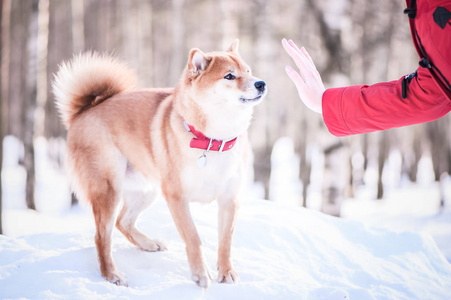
{"type": "Point", "coordinates": [190, 141]}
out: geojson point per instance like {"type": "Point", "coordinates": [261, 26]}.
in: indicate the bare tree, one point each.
{"type": "Point", "coordinates": [264, 138]}
{"type": "Point", "coordinates": [78, 34]}
{"type": "Point", "coordinates": [382, 157]}
{"type": "Point", "coordinates": [1, 152]}
{"type": "Point", "coordinates": [15, 72]}
{"type": "Point", "coordinates": [1, 106]}
{"type": "Point", "coordinates": [438, 131]}
{"type": "Point", "coordinates": [305, 165]}
{"type": "Point", "coordinates": [61, 46]}
{"type": "Point", "coordinates": [335, 178]}
{"type": "Point", "coordinates": [4, 61]}
{"type": "Point", "coordinates": [230, 29]}
{"type": "Point", "coordinates": [177, 55]}
{"type": "Point", "coordinates": [36, 90]}
{"type": "Point", "coordinates": [42, 41]}
{"type": "Point", "coordinates": [145, 37]}
{"type": "Point", "coordinates": [30, 106]}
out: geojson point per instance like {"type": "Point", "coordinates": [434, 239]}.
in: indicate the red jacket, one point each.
{"type": "Point", "coordinates": [427, 95]}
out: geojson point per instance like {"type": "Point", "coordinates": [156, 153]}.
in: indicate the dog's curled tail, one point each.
{"type": "Point", "coordinates": [87, 80]}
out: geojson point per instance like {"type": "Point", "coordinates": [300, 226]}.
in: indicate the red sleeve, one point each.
{"type": "Point", "coordinates": [362, 108]}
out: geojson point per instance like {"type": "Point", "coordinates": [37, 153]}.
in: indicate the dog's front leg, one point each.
{"type": "Point", "coordinates": [182, 217]}
{"type": "Point", "coordinates": [227, 214]}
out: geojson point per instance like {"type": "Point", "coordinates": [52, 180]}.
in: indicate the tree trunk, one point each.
{"type": "Point", "coordinates": [337, 58]}
{"type": "Point", "coordinates": [417, 149]}
{"type": "Point", "coordinates": [30, 108]}
{"type": "Point", "coordinates": [41, 67]}
{"type": "Point", "coordinates": [3, 10]}
{"type": "Point", "coordinates": [1, 152]}
{"type": "Point", "coordinates": [382, 157]}
{"type": "Point", "coordinates": [78, 29]}
{"type": "Point", "coordinates": [262, 168]}
{"type": "Point", "coordinates": [5, 16]}
{"type": "Point", "coordinates": [61, 46]}
{"type": "Point", "coordinates": [229, 24]}
{"type": "Point", "coordinates": [16, 70]}
{"type": "Point", "coordinates": [305, 167]}
{"type": "Point", "coordinates": [442, 186]}
{"type": "Point", "coordinates": [365, 151]}
{"type": "Point", "coordinates": [438, 133]}
{"type": "Point", "coordinates": [145, 38]}
{"type": "Point", "coordinates": [92, 36]}
{"type": "Point", "coordinates": [177, 55]}
{"type": "Point", "coordinates": [263, 144]}
{"type": "Point", "coordinates": [335, 178]}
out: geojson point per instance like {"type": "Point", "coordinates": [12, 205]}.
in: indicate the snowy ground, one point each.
{"type": "Point", "coordinates": [280, 251]}
{"type": "Point", "coordinates": [410, 208]}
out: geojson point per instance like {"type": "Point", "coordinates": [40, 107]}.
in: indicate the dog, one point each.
{"type": "Point", "coordinates": [190, 141]}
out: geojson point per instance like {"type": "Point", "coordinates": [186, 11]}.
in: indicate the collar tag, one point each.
{"type": "Point", "coordinates": [202, 161]}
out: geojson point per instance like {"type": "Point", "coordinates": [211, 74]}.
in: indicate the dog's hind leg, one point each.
{"type": "Point", "coordinates": [104, 203]}
{"type": "Point", "coordinates": [97, 172]}
{"type": "Point", "coordinates": [135, 202]}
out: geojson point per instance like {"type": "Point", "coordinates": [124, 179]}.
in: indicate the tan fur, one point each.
{"type": "Point", "coordinates": [118, 135]}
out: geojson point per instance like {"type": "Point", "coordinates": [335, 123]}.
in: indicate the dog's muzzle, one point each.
{"type": "Point", "coordinates": [261, 88]}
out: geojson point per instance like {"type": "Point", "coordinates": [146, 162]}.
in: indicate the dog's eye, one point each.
{"type": "Point", "coordinates": [229, 77]}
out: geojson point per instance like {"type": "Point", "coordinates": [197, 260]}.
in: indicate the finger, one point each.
{"type": "Point", "coordinates": [290, 45]}
{"type": "Point", "coordinates": [301, 50]}
{"type": "Point", "coordinates": [293, 44]}
{"type": "Point", "coordinates": [304, 53]}
{"type": "Point", "coordinates": [289, 49]}
{"type": "Point", "coordinates": [299, 59]}
{"type": "Point", "coordinates": [305, 65]}
{"type": "Point", "coordinates": [301, 86]}
{"type": "Point", "coordinates": [296, 78]}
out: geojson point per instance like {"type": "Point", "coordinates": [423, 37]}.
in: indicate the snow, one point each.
{"type": "Point", "coordinates": [381, 249]}
{"type": "Point", "coordinates": [411, 208]}
{"type": "Point", "coordinates": [280, 252]}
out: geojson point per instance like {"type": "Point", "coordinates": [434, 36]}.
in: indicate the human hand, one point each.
{"type": "Point", "coordinates": [308, 81]}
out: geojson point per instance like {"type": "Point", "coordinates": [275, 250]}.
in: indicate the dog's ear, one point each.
{"type": "Point", "coordinates": [197, 62]}
{"type": "Point", "coordinates": [234, 46]}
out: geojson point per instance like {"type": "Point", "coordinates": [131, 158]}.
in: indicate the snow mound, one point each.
{"type": "Point", "coordinates": [279, 251]}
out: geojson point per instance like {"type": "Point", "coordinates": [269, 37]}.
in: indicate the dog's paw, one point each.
{"type": "Point", "coordinates": [117, 278]}
{"type": "Point", "coordinates": [228, 276]}
{"type": "Point", "coordinates": [154, 245]}
{"type": "Point", "coordinates": [202, 279]}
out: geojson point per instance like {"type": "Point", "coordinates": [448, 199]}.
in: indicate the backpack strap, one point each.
{"type": "Point", "coordinates": [412, 10]}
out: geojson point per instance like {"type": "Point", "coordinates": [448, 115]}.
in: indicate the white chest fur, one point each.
{"type": "Point", "coordinates": [220, 177]}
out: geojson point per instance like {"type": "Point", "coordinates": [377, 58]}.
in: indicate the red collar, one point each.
{"type": "Point", "coordinates": [209, 144]}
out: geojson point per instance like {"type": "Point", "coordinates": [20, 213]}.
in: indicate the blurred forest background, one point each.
{"type": "Point", "coordinates": [351, 41]}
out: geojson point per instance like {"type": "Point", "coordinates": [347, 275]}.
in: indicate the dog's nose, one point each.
{"type": "Point", "coordinates": [260, 85]}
